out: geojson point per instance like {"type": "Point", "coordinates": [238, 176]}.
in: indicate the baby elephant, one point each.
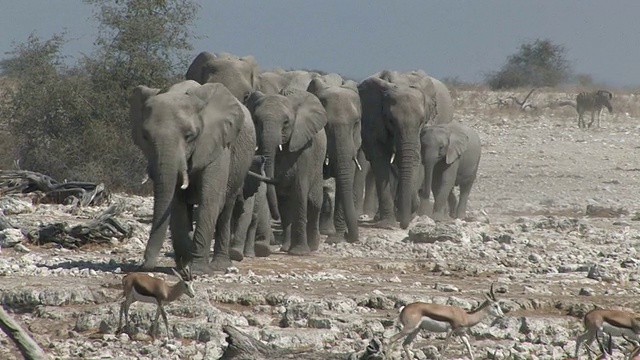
{"type": "Point", "coordinates": [450, 155]}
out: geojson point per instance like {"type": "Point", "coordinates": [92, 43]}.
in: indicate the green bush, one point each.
{"type": "Point", "coordinates": [71, 121]}
{"type": "Point", "coordinates": [539, 63]}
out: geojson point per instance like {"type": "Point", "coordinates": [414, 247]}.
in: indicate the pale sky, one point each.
{"type": "Point", "coordinates": [463, 38]}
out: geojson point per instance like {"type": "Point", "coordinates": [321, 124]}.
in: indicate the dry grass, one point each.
{"type": "Point", "coordinates": [482, 101]}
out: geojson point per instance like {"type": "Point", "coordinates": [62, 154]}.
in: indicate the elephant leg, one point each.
{"type": "Point", "coordinates": [213, 194]}
{"type": "Point", "coordinates": [180, 226]}
{"type": "Point", "coordinates": [465, 190]}
{"type": "Point", "coordinates": [286, 220]}
{"type": "Point", "coordinates": [442, 185]}
{"type": "Point", "coordinates": [452, 201]}
{"type": "Point", "coordinates": [358, 186]}
{"type": "Point", "coordinates": [370, 206]}
{"type": "Point", "coordinates": [263, 232]}
{"type": "Point", "coordinates": [338, 220]}
{"type": "Point", "coordinates": [382, 173]}
{"type": "Point", "coordinates": [250, 231]}
{"type": "Point", "coordinates": [298, 206]}
{"type": "Point", "coordinates": [221, 259]}
{"type": "Point", "coordinates": [327, 225]}
{"type": "Point", "coordinates": [250, 242]}
{"type": "Point", "coordinates": [313, 216]}
{"type": "Point", "coordinates": [243, 213]}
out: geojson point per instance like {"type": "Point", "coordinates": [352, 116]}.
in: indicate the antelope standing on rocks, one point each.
{"type": "Point", "coordinates": [612, 322]}
{"type": "Point", "coordinates": [144, 288]}
{"type": "Point", "coordinates": [443, 318]}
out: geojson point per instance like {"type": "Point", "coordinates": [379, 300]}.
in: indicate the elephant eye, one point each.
{"type": "Point", "coordinates": [190, 136]}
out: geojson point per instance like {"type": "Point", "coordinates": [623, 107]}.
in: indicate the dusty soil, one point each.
{"type": "Point", "coordinates": [530, 234]}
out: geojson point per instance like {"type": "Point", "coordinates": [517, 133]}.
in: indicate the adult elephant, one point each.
{"type": "Point", "coordinates": [342, 105]}
{"type": "Point", "coordinates": [291, 136]}
{"type": "Point", "coordinates": [238, 74]}
{"type": "Point", "coordinates": [199, 141]}
{"type": "Point", "coordinates": [395, 106]}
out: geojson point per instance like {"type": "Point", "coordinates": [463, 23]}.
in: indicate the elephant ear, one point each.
{"type": "Point", "coordinates": [423, 82]}
{"type": "Point", "coordinates": [316, 85]}
{"type": "Point", "coordinates": [252, 100]}
{"type": "Point", "coordinates": [458, 142]}
{"type": "Point", "coordinates": [371, 92]}
{"type": "Point", "coordinates": [137, 99]}
{"type": "Point", "coordinates": [310, 118]}
{"type": "Point", "coordinates": [196, 69]}
{"type": "Point", "coordinates": [222, 118]}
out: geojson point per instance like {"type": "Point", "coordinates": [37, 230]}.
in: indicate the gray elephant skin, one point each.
{"type": "Point", "coordinates": [450, 155]}
{"type": "Point", "coordinates": [343, 129]}
{"type": "Point", "coordinates": [395, 107]}
{"type": "Point", "coordinates": [291, 136]}
{"type": "Point", "coordinates": [199, 141]}
{"type": "Point", "coordinates": [238, 74]}
{"type": "Point", "coordinates": [251, 223]}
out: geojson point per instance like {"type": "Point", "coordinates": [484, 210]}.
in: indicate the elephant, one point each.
{"type": "Point", "coordinates": [291, 136]}
{"type": "Point", "coordinates": [342, 105]}
{"type": "Point", "coordinates": [238, 74]}
{"type": "Point", "coordinates": [450, 155]}
{"type": "Point", "coordinates": [271, 82]}
{"type": "Point", "coordinates": [251, 223]}
{"type": "Point", "coordinates": [395, 106]}
{"type": "Point", "coordinates": [199, 141]}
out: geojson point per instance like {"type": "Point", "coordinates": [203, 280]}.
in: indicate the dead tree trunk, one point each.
{"type": "Point", "coordinates": [244, 347]}
{"type": "Point", "coordinates": [28, 347]}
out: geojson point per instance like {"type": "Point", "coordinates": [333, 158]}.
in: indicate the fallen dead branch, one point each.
{"type": "Point", "coordinates": [50, 191]}
{"type": "Point", "coordinates": [97, 231]}
{"type": "Point", "coordinates": [27, 346]}
{"type": "Point", "coordinates": [244, 347]}
{"type": "Point", "coordinates": [511, 101]}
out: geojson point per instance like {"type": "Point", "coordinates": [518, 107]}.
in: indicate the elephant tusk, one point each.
{"type": "Point", "coordinates": [357, 164]}
{"type": "Point", "coordinates": [393, 157]}
{"type": "Point", "coordinates": [256, 149]}
{"type": "Point", "coordinates": [280, 147]}
{"type": "Point", "coordinates": [262, 178]}
{"type": "Point", "coordinates": [326, 161]}
{"type": "Point", "coordinates": [185, 180]}
{"type": "Point", "coordinates": [145, 179]}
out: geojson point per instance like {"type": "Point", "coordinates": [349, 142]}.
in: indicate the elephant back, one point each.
{"type": "Point", "coordinates": [238, 74]}
{"type": "Point", "coordinates": [444, 103]}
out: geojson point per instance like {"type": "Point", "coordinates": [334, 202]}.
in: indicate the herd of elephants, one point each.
{"type": "Point", "coordinates": [232, 148]}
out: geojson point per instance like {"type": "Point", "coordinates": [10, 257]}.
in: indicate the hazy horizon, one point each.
{"type": "Point", "coordinates": [463, 39]}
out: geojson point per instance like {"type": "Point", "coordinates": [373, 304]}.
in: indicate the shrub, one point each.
{"type": "Point", "coordinates": [71, 122]}
{"type": "Point", "coordinates": [538, 63]}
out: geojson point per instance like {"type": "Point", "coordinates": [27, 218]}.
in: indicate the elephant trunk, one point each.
{"type": "Point", "coordinates": [165, 178]}
{"type": "Point", "coordinates": [269, 148]}
{"type": "Point", "coordinates": [409, 154]}
{"type": "Point", "coordinates": [425, 191]}
{"type": "Point", "coordinates": [344, 171]}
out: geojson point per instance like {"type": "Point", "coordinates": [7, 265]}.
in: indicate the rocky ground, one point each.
{"type": "Point", "coordinates": [555, 226]}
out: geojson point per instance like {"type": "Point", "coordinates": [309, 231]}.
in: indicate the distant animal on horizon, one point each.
{"type": "Point", "coordinates": [594, 102]}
